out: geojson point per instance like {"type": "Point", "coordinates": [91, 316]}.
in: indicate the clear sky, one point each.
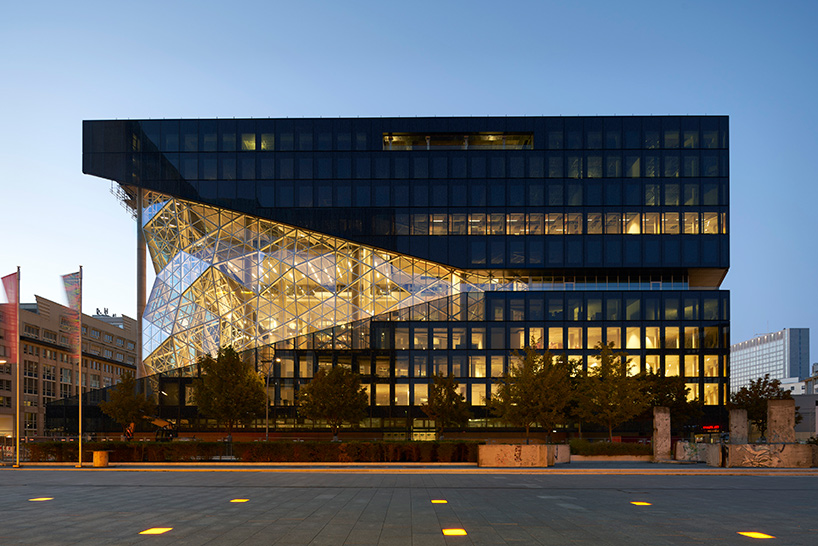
{"type": "Point", "coordinates": [62, 62]}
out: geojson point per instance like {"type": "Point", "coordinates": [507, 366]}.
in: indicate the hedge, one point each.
{"type": "Point", "coordinates": [340, 452]}
{"type": "Point", "coordinates": [584, 447]}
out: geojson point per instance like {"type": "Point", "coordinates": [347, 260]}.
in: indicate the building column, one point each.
{"type": "Point", "coordinates": [140, 283]}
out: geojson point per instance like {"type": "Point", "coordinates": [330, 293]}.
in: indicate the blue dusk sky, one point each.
{"type": "Point", "coordinates": [63, 62]}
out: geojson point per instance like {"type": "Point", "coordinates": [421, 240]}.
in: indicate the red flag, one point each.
{"type": "Point", "coordinates": [11, 284]}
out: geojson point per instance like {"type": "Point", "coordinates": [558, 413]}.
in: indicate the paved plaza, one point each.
{"type": "Point", "coordinates": [393, 506]}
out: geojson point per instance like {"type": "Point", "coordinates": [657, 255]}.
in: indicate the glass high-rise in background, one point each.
{"type": "Point", "coordinates": [404, 247]}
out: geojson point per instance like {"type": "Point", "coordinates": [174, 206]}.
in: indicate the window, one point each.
{"type": "Point", "coordinates": [420, 395]}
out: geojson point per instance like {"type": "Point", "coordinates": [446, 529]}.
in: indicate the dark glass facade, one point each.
{"type": "Point", "coordinates": [406, 246]}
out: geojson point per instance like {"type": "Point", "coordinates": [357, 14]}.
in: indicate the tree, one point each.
{"type": "Point", "coordinates": [125, 405]}
{"type": "Point", "coordinates": [335, 396]}
{"type": "Point", "coordinates": [671, 392]}
{"type": "Point", "coordinates": [535, 390]}
{"type": "Point", "coordinates": [228, 389]}
{"type": "Point", "coordinates": [607, 396]}
{"type": "Point", "coordinates": [753, 398]}
{"type": "Point", "coordinates": [445, 404]}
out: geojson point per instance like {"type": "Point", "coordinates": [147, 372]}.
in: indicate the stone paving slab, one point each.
{"type": "Point", "coordinates": [332, 508]}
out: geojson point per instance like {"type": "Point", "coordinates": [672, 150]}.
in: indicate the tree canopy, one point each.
{"type": "Point", "coordinates": [445, 404]}
{"type": "Point", "coordinates": [754, 397]}
{"type": "Point", "coordinates": [672, 392]}
{"type": "Point", "coordinates": [125, 404]}
{"type": "Point", "coordinates": [335, 397]}
{"type": "Point", "coordinates": [535, 390]}
{"type": "Point", "coordinates": [606, 395]}
{"type": "Point", "coordinates": [229, 390]}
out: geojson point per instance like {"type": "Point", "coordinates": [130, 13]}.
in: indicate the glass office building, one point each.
{"type": "Point", "coordinates": [403, 247]}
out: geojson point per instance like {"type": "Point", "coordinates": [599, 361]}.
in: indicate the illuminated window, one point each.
{"type": "Point", "coordinates": [478, 395]}
{"type": "Point", "coordinates": [693, 392]}
{"type": "Point", "coordinates": [670, 223]}
{"type": "Point", "coordinates": [614, 335]}
{"type": "Point", "coordinates": [401, 394]}
{"type": "Point", "coordinates": [594, 337]}
{"type": "Point", "coordinates": [575, 338]}
{"type": "Point", "coordinates": [420, 394]}
{"type": "Point", "coordinates": [691, 366]}
{"type": "Point", "coordinates": [381, 395]}
{"type": "Point", "coordinates": [711, 394]}
{"type": "Point", "coordinates": [477, 366]}
{"type": "Point", "coordinates": [671, 365]}
{"type": "Point", "coordinates": [555, 338]}
{"type": "Point", "coordinates": [711, 366]}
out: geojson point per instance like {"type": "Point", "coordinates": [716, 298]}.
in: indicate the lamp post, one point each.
{"type": "Point", "coordinates": [267, 395]}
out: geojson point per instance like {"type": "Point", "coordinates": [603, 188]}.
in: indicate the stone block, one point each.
{"type": "Point", "coordinates": [562, 453]}
{"type": "Point", "coordinates": [514, 455]}
{"type": "Point", "coordinates": [712, 454]}
{"type": "Point", "coordinates": [739, 426]}
{"type": "Point", "coordinates": [688, 451]}
{"type": "Point", "coordinates": [661, 434]}
{"type": "Point", "coordinates": [770, 455]}
{"type": "Point", "coordinates": [780, 421]}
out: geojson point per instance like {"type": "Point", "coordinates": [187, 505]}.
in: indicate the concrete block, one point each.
{"type": "Point", "coordinates": [739, 426]}
{"type": "Point", "coordinates": [712, 454]}
{"type": "Point", "coordinates": [514, 455]}
{"type": "Point", "coordinates": [688, 451]}
{"type": "Point", "coordinates": [562, 453]}
{"type": "Point", "coordinates": [770, 455]}
{"type": "Point", "coordinates": [661, 434]}
{"type": "Point", "coordinates": [780, 421]}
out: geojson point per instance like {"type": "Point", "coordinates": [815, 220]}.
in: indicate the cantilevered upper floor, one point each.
{"type": "Point", "coordinates": [569, 197]}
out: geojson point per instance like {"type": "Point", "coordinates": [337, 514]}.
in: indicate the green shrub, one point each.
{"type": "Point", "coordinates": [281, 451]}
{"type": "Point", "coordinates": [584, 447]}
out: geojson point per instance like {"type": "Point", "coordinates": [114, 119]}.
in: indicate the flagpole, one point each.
{"type": "Point", "coordinates": [17, 375]}
{"type": "Point", "coordinates": [79, 362]}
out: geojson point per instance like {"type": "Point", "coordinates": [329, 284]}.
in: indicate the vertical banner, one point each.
{"type": "Point", "coordinates": [73, 291]}
{"type": "Point", "coordinates": [11, 316]}
{"type": "Point", "coordinates": [11, 284]}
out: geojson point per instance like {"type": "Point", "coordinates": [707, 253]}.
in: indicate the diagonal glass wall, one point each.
{"type": "Point", "coordinates": [228, 278]}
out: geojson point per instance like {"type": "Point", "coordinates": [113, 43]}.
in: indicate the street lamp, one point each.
{"type": "Point", "coordinates": [267, 405]}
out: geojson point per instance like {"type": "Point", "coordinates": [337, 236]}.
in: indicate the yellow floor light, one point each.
{"type": "Point", "coordinates": [454, 532]}
{"type": "Point", "coordinates": [754, 534]}
{"type": "Point", "coordinates": [41, 499]}
{"type": "Point", "coordinates": [156, 531]}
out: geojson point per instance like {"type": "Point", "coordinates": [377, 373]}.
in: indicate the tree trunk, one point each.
{"type": "Point", "coordinates": [334, 433]}
{"type": "Point", "coordinates": [527, 439]}
{"type": "Point", "coordinates": [610, 432]}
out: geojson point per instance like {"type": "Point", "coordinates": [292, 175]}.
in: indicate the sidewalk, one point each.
{"type": "Point", "coordinates": [578, 468]}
